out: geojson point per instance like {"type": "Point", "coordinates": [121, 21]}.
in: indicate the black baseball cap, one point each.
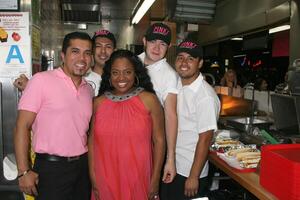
{"type": "Point", "coordinates": [190, 47]}
{"type": "Point", "coordinates": [159, 31]}
{"type": "Point", "coordinates": [106, 34]}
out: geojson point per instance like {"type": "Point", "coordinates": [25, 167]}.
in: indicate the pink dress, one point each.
{"type": "Point", "coordinates": [123, 149]}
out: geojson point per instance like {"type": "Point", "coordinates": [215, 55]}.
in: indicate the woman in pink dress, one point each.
{"type": "Point", "coordinates": [126, 143]}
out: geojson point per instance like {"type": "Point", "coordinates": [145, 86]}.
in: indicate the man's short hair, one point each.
{"type": "Point", "coordinates": [72, 36]}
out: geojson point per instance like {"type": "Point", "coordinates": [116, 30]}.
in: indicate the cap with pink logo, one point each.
{"type": "Point", "coordinates": [106, 34]}
{"type": "Point", "coordinates": [190, 47]}
{"type": "Point", "coordinates": [159, 31]}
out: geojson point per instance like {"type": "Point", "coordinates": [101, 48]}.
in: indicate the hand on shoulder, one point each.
{"type": "Point", "coordinates": [21, 82]}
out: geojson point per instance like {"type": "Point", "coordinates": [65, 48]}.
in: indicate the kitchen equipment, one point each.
{"type": "Point", "coordinates": [8, 114]}
{"type": "Point", "coordinates": [245, 124]}
{"type": "Point", "coordinates": [286, 110]}
{"type": "Point", "coordinates": [268, 137]}
{"type": "Point", "coordinates": [234, 106]}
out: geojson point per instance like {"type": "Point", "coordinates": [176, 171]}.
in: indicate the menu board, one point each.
{"type": "Point", "coordinates": [15, 44]}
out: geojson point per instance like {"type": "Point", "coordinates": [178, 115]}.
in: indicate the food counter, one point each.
{"type": "Point", "coordinates": [249, 180]}
{"type": "Point", "coordinates": [237, 122]}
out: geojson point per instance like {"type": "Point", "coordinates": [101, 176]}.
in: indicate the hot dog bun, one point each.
{"type": "Point", "coordinates": [244, 155]}
{"type": "Point", "coordinates": [234, 152]}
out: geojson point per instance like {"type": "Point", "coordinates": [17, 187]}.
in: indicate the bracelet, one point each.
{"type": "Point", "coordinates": [24, 173]}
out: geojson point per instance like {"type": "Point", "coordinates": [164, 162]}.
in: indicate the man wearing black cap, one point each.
{"type": "Point", "coordinates": [104, 44]}
{"type": "Point", "coordinates": [198, 108]}
{"type": "Point", "coordinates": [164, 79]}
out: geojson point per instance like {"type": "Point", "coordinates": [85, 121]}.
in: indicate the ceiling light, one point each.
{"type": "Point", "coordinates": [141, 11]}
{"type": "Point", "coordinates": [238, 56]}
{"type": "Point", "coordinates": [192, 27]}
{"type": "Point", "coordinates": [279, 28]}
{"type": "Point", "coordinates": [237, 38]}
{"type": "Point", "coordinates": [82, 26]}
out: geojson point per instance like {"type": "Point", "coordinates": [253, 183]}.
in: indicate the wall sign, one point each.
{"type": "Point", "coordinates": [9, 5]}
{"type": "Point", "coordinates": [15, 44]}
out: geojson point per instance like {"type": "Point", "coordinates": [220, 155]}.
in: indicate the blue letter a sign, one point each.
{"type": "Point", "coordinates": [14, 53]}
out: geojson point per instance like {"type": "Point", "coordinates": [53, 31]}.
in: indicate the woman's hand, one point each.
{"type": "Point", "coordinates": [95, 192]}
{"type": "Point", "coordinates": [154, 188]}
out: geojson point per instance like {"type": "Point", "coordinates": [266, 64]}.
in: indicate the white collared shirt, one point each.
{"type": "Point", "coordinates": [163, 77]}
{"type": "Point", "coordinates": [198, 109]}
{"type": "Point", "coordinates": [94, 80]}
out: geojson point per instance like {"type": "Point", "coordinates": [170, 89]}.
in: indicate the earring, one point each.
{"type": "Point", "coordinates": [137, 82]}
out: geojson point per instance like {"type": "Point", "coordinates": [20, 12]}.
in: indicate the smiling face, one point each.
{"type": "Point", "coordinates": [155, 50]}
{"type": "Point", "coordinates": [187, 67]}
{"type": "Point", "coordinates": [104, 47]}
{"type": "Point", "coordinates": [78, 57]}
{"type": "Point", "coordinates": [122, 76]}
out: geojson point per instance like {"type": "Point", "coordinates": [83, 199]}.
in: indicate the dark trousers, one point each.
{"type": "Point", "coordinates": [63, 180]}
{"type": "Point", "coordinates": [175, 190]}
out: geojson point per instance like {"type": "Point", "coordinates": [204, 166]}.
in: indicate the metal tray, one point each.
{"type": "Point", "coordinates": [243, 123]}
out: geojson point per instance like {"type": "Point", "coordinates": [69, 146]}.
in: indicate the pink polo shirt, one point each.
{"type": "Point", "coordinates": [63, 113]}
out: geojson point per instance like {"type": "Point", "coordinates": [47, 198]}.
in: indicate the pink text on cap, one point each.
{"type": "Point", "coordinates": [188, 45]}
{"type": "Point", "coordinates": [160, 30]}
{"type": "Point", "coordinates": [102, 32]}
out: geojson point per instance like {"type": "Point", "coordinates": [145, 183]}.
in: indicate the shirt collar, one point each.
{"type": "Point", "coordinates": [194, 86]}
{"type": "Point", "coordinates": [89, 71]}
{"type": "Point", "coordinates": [156, 66]}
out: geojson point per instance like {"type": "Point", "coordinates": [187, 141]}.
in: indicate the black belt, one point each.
{"type": "Point", "coordinates": [55, 158]}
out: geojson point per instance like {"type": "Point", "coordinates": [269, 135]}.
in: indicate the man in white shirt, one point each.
{"type": "Point", "coordinates": [164, 79]}
{"type": "Point", "coordinates": [198, 109]}
{"type": "Point", "coordinates": [104, 44]}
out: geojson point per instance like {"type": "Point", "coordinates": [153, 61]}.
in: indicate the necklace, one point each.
{"type": "Point", "coordinates": [117, 98]}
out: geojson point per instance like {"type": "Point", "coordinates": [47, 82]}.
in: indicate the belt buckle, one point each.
{"type": "Point", "coordinates": [70, 159]}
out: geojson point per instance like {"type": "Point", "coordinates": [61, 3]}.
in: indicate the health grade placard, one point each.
{"type": "Point", "coordinates": [15, 44]}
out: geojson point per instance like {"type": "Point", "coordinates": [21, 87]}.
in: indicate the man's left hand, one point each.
{"type": "Point", "coordinates": [169, 171]}
{"type": "Point", "coordinates": [191, 186]}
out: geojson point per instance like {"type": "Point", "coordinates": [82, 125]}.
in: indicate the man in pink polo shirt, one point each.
{"type": "Point", "coordinates": [57, 106]}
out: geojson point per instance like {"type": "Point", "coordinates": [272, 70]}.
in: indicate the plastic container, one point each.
{"type": "Point", "coordinates": [280, 170]}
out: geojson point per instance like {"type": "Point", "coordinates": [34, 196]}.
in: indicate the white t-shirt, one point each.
{"type": "Point", "coordinates": [198, 109]}
{"type": "Point", "coordinates": [94, 80]}
{"type": "Point", "coordinates": [163, 77]}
